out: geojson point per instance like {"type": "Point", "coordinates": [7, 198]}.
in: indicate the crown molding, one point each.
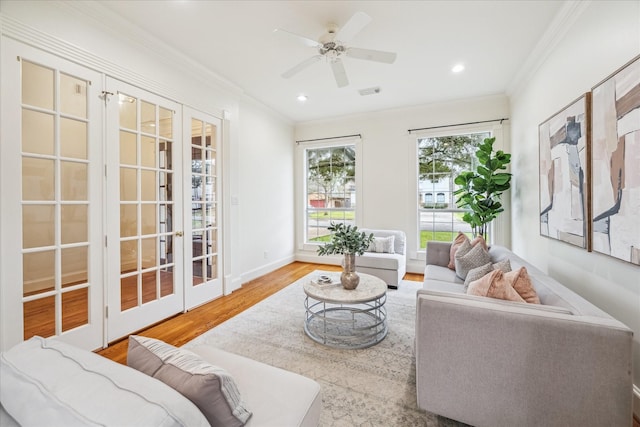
{"type": "Point", "coordinates": [561, 24]}
{"type": "Point", "coordinates": [20, 32]}
{"type": "Point", "coordinates": [104, 19]}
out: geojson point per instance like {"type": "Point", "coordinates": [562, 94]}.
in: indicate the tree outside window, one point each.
{"type": "Point", "coordinates": [331, 194]}
{"type": "Point", "coordinates": [440, 160]}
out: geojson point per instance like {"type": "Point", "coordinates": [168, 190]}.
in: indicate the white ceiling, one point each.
{"type": "Point", "coordinates": [235, 40]}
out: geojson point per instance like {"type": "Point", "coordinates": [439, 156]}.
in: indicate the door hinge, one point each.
{"type": "Point", "coordinates": [105, 171]}
{"type": "Point", "coordinates": [105, 241]}
{"type": "Point", "coordinates": [106, 312]}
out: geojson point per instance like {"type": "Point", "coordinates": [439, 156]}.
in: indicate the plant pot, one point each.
{"type": "Point", "coordinates": [349, 278]}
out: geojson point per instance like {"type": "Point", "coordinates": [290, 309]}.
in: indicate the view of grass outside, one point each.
{"type": "Point", "coordinates": [332, 215]}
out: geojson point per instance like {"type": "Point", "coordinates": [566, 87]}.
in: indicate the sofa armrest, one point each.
{"type": "Point", "coordinates": [490, 364]}
{"type": "Point", "coordinates": [438, 253]}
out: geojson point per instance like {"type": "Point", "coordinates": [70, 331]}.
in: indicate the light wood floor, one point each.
{"type": "Point", "coordinates": [184, 327]}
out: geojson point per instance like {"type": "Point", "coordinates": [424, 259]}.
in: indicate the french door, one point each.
{"type": "Point", "coordinates": [203, 267]}
{"type": "Point", "coordinates": [144, 208]}
{"type": "Point", "coordinates": [50, 179]}
{"type": "Point", "coordinates": [109, 209]}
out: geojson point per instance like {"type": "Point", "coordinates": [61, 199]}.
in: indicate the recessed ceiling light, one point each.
{"type": "Point", "coordinates": [458, 68]}
{"type": "Point", "coordinates": [302, 97]}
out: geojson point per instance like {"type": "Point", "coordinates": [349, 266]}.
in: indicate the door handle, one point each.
{"type": "Point", "coordinates": [179, 234]}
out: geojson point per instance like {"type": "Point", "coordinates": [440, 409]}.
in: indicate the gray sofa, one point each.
{"type": "Point", "coordinates": [390, 267]}
{"type": "Point", "coordinates": [489, 362]}
{"type": "Point", "coordinates": [47, 382]}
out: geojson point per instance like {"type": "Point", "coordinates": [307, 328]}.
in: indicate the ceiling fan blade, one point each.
{"type": "Point", "coordinates": [372, 55]}
{"type": "Point", "coordinates": [358, 21]}
{"type": "Point", "coordinates": [301, 66]}
{"type": "Point", "coordinates": [307, 41]}
{"type": "Point", "coordinates": [339, 73]}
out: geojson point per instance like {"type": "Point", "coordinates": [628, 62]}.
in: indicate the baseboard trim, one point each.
{"type": "Point", "coordinates": [265, 269]}
{"type": "Point", "coordinates": [636, 401]}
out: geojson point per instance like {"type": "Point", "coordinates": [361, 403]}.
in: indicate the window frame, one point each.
{"type": "Point", "coordinates": [302, 205]}
{"type": "Point", "coordinates": [499, 233]}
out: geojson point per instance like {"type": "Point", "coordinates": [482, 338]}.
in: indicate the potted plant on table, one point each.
{"type": "Point", "coordinates": [481, 190]}
{"type": "Point", "coordinates": [348, 241]}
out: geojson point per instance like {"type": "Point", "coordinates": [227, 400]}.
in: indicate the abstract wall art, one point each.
{"type": "Point", "coordinates": [564, 153]}
{"type": "Point", "coordinates": [616, 164]}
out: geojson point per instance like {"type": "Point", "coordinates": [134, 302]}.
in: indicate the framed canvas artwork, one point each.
{"type": "Point", "coordinates": [616, 164]}
{"type": "Point", "coordinates": [564, 152]}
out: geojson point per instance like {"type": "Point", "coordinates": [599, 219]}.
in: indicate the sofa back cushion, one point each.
{"type": "Point", "coordinates": [549, 291]}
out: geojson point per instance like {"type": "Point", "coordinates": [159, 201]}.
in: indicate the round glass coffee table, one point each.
{"type": "Point", "coordinates": [341, 318]}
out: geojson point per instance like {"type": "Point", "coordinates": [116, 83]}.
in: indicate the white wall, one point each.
{"type": "Point", "coordinates": [387, 198]}
{"type": "Point", "coordinates": [119, 49]}
{"type": "Point", "coordinates": [265, 172]}
{"type": "Point", "coordinates": [605, 36]}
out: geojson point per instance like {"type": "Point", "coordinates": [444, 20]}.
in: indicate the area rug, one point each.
{"type": "Point", "coordinates": [374, 386]}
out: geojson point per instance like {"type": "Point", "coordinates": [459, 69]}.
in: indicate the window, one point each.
{"type": "Point", "coordinates": [330, 189]}
{"type": "Point", "coordinates": [440, 160]}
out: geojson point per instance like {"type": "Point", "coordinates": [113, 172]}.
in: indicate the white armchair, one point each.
{"type": "Point", "coordinates": [389, 260]}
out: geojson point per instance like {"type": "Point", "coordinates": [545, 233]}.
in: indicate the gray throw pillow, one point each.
{"type": "Point", "coordinates": [504, 265]}
{"type": "Point", "coordinates": [209, 387]}
{"type": "Point", "coordinates": [466, 260]}
{"type": "Point", "coordinates": [477, 273]}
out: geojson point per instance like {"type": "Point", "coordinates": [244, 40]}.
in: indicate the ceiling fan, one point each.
{"type": "Point", "coordinates": [333, 46]}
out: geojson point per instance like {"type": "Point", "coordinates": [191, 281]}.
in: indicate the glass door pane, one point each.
{"type": "Point", "coordinates": [204, 282]}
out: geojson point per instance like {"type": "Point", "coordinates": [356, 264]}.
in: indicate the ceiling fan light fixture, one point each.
{"type": "Point", "coordinates": [458, 68]}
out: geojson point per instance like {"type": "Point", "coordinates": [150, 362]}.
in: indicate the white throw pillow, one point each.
{"type": "Point", "coordinates": [382, 245]}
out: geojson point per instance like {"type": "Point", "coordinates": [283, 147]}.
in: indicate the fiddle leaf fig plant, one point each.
{"type": "Point", "coordinates": [481, 190]}
{"type": "Point", "coordinates": [345, 239]}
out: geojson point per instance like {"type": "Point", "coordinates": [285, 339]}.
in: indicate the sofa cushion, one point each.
{"type": "Point", "coordinates": [277, 397]}
{"type": "Point", "coordinates": [436, 272]}
{"type": "Point", "coordinates": [46, 382]}
{"type": "Point", "coordinates": [469, 257]}
{"type": "Point", "coordinates": [381, 261]}
{"type": "Point", "coordinates": [519, 280]}
{"type": "Point", "coordinates": [209, 387]}
{"type": "Point", "coordinates": [443, 286]}
{"type": "Point", "coordinates": [494, 285]}
{"type": "Point", "coordinates": [382, 245]}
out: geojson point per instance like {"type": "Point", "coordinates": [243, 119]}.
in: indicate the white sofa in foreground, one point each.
{"type": "Point", "coordinates": [388, 262]}
{"type": "Point", "coordinates": [47, 382]}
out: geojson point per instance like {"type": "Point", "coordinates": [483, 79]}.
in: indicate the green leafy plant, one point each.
{"type": "Point", "coordinates": [345, 239]}
{"type": "Point", "coordinates": [481, 190]}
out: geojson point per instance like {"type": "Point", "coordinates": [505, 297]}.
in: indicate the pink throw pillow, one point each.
{"type": "Point", "coordinates": [520, 281]}
{"type": "Point", "coordinates": [494, 285]}
{"type": "Point", "coordinates": [459, 240]}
